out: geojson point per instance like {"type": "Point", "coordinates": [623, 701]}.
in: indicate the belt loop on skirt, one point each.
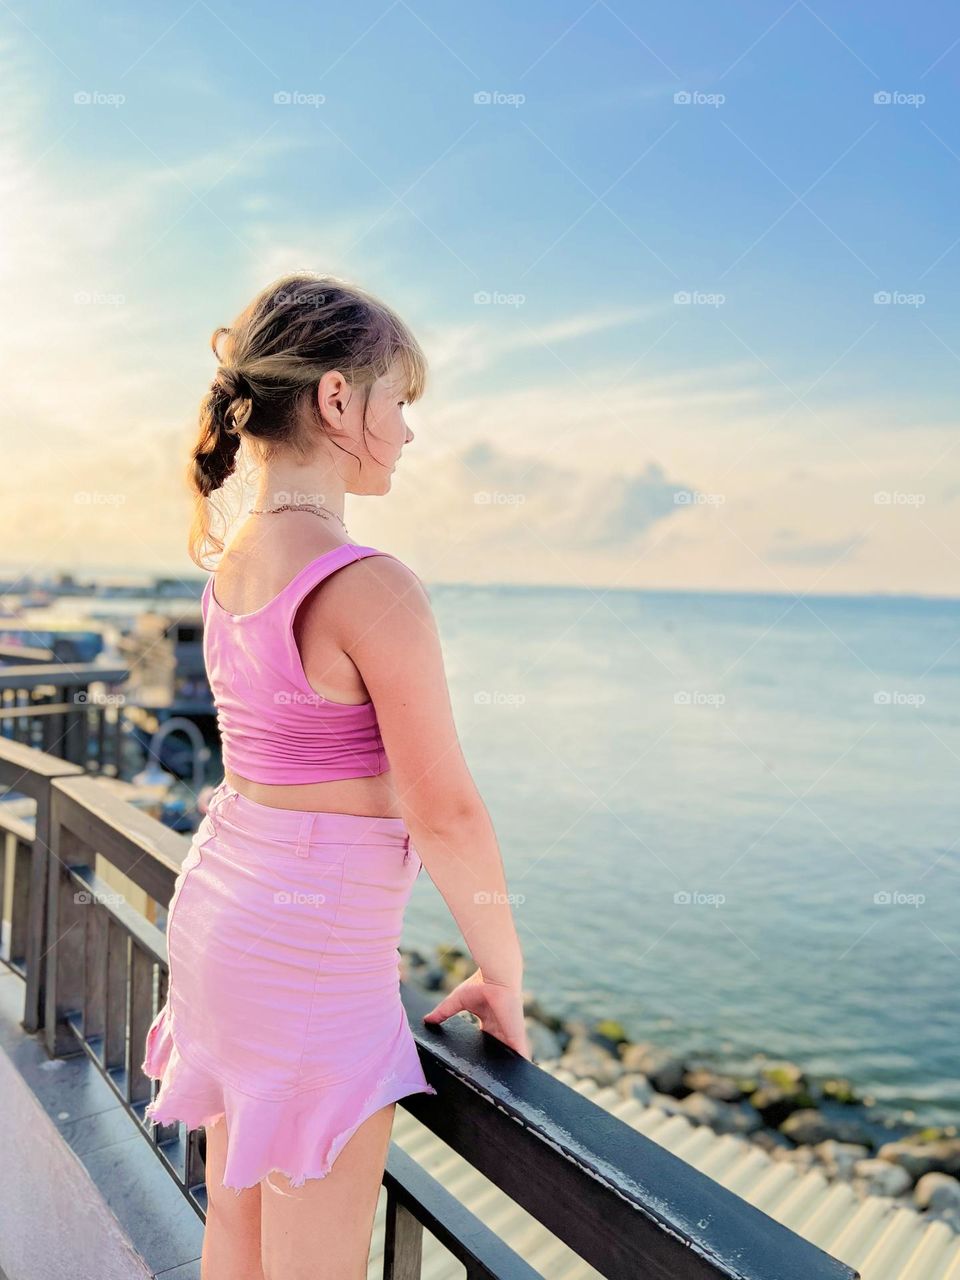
{"type": "Point", "coordinates": [305, 834]}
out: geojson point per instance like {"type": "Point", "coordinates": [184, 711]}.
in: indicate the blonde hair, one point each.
{"type": "Point", "coordinates": [291, 334]}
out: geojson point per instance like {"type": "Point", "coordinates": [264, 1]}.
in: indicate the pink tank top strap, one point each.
{"type": "Point", "coordinates": [312, 574]}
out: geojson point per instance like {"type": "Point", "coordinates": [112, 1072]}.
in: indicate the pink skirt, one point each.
{"type": "Point", "coordinates": [283, 1010]}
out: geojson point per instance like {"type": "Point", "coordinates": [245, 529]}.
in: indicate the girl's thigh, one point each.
{"type": "Point", "coordinates": [322, 1229]}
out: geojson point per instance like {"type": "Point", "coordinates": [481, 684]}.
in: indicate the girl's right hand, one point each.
{"type": "Point", "coordinates": [499, 1008]}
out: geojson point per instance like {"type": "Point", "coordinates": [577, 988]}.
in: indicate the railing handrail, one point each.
{"type": "Point", "coordinates": [71, 675]}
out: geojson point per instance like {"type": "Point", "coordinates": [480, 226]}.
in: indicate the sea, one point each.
{"type": "Point", "coordinates": [729, 822]}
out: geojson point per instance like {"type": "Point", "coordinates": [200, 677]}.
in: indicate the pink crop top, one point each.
{"type": "Point", "coordinates": [273, 726]}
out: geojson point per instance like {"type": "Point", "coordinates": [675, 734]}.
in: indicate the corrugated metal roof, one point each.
{"type": "Point", "coordinates": [881, 1238]}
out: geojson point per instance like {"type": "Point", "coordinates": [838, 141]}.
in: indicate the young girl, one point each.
{"type": "Point", "coordinates": [283, 1033]}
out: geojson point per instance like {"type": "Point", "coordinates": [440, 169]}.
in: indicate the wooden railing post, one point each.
{"type": "Point", "coordinates": [65, 956]}
{"type": "Point", "coordinates": [31, 773]}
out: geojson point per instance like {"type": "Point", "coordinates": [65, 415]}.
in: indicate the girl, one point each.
{"type": "Point", "coordinates": [283, 1033]}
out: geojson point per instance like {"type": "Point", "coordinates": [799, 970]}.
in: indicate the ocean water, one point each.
{"type": "Point", "coordinates": [730, 821]}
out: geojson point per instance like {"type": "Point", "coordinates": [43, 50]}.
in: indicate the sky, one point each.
{"type": "Point", "coordinates": [685, 277]}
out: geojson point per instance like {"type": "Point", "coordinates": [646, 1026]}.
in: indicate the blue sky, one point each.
{"type": "Point", "coordinates": [781, 429]}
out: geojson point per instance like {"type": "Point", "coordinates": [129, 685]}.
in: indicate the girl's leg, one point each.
{"type": "Point", "coordinates": [322, 1229]}
{"type": "Point", "coordinates": [231, 1241]}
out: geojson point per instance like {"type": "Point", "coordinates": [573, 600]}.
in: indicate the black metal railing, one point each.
{"type": "Point", "coordinates": [623, 1203]}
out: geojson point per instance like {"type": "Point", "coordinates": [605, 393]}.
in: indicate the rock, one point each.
{"type": "Point", "coordinates": [785, 1075]}
{"type": "Point", "coordinates": [431, 978]}
{"type": "Point", "coordinates": [801, 1158]}
{"type": "Point", "coordinates": [881, 1178]}
{"type": "Point", "coordinates": [839, 1090]}
{"type": "Point", "coordinates": [809, 1127]}
{"type": "Point", "coordinates": [584, 1057]}
{"type": "Point", "coordinates": [739, 1117]}
{"type": "Point", "coordinates": [702, 1110]}
{"type": "Point", "coordinates": [662, 1069]}
{"type": "Point", "coordinates": [940, 1156]}
{"type": "Point", "coordinates": [449, 957]}
{"type": "Point", "coordinates": [456, 970]}
{"type": "Point", "coordinates": [636, 1086]}
{"type": "Point", "coordinates": [772, 1142]}
{"type": "Point", "coordinates": [544, 1045]}
{"type": "Point", "coordinates": [937, 1192]}
{"type": "Point", "coordinates": [534, 1009]}
{"type": "Point", "coordinates": [609, 1035]}
{"type": "Point", "coordinates": [713, 1085]}
{"type": "Point", "coordinates": [838, 1158]}
{"type": "Point", "coordinates": [806, 1127]}
{"type": "Point", "coordinates": [667, 1103]}
{"type": "Point", "coordinates": [775, 1104]}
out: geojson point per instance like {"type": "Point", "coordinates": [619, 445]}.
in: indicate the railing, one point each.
{"type": "Point", "coordinates": [49, 705]}
{"type": "Point", "coordinates": [626, 1205]}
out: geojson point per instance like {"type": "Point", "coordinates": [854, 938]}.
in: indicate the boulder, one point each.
{"type": "Point", "coordinates": [609, 1035]}
{"type": "Point", "coordinates": [937, 1192]}
{"type": "Point", "coordinates": [636, 1086]}
{"type": "Point", "coordinates": [940, 1156]}
{"type": "Point", "coordinates": [713, 1085]}
{"type": "Point", "coordinates": [702, 1110]}
{"type": "Point", "coordinates": [544, 1045]}
{"type": "Point", "coordinates": [664, 1071]}
{"type": "Point", "coordinates": [879, 1177]}
{"type": "Point", "coordinates": [838, 1158]}
{"type": "Point", "coordinates": [809, 1127]}
{"type": "Point", "coordinates": [775, 1104]}
{"type": "Point", "coordinates": [584, 1057]}
{"type": "Point", "coordinates": [839, 1090]}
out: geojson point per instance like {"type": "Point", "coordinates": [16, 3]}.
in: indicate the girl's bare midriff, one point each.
{"type": "Point", "coordinates": [371, 797]}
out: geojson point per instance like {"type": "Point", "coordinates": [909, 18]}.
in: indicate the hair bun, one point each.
{"type": "Point", "coordinates": [233, 383]}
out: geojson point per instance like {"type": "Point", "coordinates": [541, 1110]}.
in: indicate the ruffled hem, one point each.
{"type": "Point", "coordinates": [300, 1136]}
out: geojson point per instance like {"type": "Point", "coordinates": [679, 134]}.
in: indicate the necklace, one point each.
{"type": "Point", "coordinates": [298, 506]}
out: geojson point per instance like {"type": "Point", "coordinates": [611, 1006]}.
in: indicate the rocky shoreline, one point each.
{"type": "Point", "coordinates": [813, 1124]}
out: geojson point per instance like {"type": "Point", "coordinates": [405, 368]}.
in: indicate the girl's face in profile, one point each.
{"type": "Point", "coordinates": [378, 444]}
